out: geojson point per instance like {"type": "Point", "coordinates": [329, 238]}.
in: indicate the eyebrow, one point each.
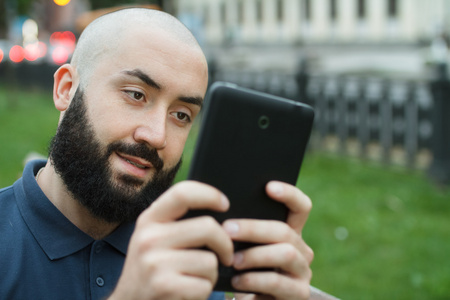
{"type": "Point", "coordinates": [144, 77]}
{"type": "Point", "coordinates": [192, 100]}
{"type": "Point", "coordinates": [152, 83]}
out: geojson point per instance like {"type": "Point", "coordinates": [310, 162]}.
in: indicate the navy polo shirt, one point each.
{"type": "Point", "coordinates": [44, 256]}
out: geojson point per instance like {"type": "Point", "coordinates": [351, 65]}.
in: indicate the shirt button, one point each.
{"type": "Point", "coordinates": [100, 282]}
{"type": "Point", "coordinates": [98, 248]}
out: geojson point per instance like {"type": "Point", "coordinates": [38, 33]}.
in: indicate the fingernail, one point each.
{"type": "Point", "coordinates": [224, 201]}
{"type": "Point", "coordinates": [230, 260]}
{"type": "Point", "coordinates": [231, 227]}
{"type": "Point", "coordinates": [276, 188]}
{"type": "Point", "coordinates": [238, 259]}
{"type": "Point", "coordinates": [235, 280]}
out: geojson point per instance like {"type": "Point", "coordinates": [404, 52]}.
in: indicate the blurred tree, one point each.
{"type": "Point", "coordinates": [23, 6]}
{"type": "Point", "coordinates": [3, 22]}
{"type": "Point", "coordinates": [14, 7]}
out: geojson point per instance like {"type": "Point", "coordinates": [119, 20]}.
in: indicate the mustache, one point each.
{"type": "Point", "coordinates": [138, 150]}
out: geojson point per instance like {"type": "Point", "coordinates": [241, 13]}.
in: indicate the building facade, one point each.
{"type": "Point", "coordinates": [315, 21]}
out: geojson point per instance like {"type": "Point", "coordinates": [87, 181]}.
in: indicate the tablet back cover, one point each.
{"type": "Point", "coordinates": [247, 139]}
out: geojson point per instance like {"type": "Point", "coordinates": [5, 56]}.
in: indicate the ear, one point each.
{"type": "Point", "coordinates": [64, 86]}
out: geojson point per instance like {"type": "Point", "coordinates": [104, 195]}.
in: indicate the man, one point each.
{"type": "Point", "coordinates": [127, 100]}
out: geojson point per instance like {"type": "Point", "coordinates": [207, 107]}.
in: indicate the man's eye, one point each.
{"type": "Point", "coordinates": [135, 95]}
{"type": "Point", "coordinates": [183, 117]}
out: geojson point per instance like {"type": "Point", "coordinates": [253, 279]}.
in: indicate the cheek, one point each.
{"type": "Point", "coordinates": [175, 146]}
{"type": "Point", "coordinates": [109, 124]}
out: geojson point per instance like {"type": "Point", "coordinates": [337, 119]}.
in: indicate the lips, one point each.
{"type": "Point", "coordinates": [134, 166]}
{"type": "Point", "coordinates": [136, 161]}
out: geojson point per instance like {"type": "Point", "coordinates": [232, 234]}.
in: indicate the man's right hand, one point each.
{"type": "Point", "coordinates": [164, 259]}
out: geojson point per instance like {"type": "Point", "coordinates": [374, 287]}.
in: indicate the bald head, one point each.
{"type": "Point", "coordinates": [105, 35]}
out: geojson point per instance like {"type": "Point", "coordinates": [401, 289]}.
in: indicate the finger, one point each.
{"type": "Point", "coordinates": [282, 257]}
{"type": "Point", "coordinates": [273, 284]}
{"type": "Point", "coordinates": [180, 198]}
{"type": "Point", "coordinates": [180, 262]}
{"type": "Point", "coordinates": [193, 288]}
{"type": "Point", "coordinates": [266, 232]}
{"type": "Point", "coordinates": [247, 296]}
{"type": "Point", "coordinates": [191, 233]}
{"type": "Point", "coordinates": [171, 285]}
{"type": "Point", "coordinates": [244, 296]}
{"type": "Point", "coordinates": [297, 202]}
{"type": "Point", "coordinates": [261, 231]}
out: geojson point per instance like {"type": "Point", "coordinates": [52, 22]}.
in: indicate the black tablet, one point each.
{"type": "Point", "coordinates": [246, 139]}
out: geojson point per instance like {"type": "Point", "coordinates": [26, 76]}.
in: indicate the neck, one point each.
{"type": "Point", "coordinates": [55, 190]}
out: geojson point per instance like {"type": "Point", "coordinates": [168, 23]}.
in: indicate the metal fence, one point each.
{"type": "Point", "coordinates": [390, 120]}
{"type": "Point", "coordinates": [371, 117]}
{"type": "Point", "coordinates": [27, 74]}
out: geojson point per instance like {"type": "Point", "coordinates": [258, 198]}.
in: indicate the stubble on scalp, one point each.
{"type": "Point", "coordinates": [105, 35]}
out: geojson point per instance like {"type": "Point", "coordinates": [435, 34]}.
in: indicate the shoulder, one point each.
{"type": "Point", "coordinates": [7, 198]}
{"type": "Point", "coordinates": [4, 191]}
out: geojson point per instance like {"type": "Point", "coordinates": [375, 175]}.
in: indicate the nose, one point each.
{"type": "Point", "coordinates": [152, 131]}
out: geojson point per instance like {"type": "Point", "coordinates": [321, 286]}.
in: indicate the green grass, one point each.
{"type": "Point", "coordinates": [378, 232]}
{"type": "Point", "coordinates": [28, 120]}
{"type": "Point", "coordinates": [397, 225]}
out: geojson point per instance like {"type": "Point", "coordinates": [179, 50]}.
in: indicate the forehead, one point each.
{"type": "Point", "coordinates": [159, 54]}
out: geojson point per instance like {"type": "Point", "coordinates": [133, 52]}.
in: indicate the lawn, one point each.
{"type": "Point", "coordinates": [378, 232]}
{"type": "Point", "coordinates": [28, 120]}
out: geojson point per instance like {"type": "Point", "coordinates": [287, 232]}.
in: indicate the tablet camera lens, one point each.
{"type": "Point", "coordinates": [263, 122]}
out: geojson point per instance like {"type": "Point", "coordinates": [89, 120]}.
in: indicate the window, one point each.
{"type": "Point", "coordinates": [240, 11]}
{"type": "Point", "coordinates": [206, 14]}
{"type": "Point", "coordinates": [307, 10]}
{"type": "Point", "coordinates": [361, 9]}
{"type": "Point", "coordinates": [333, 10]}
{"type": "Point", "coordinates": [259, 11]}
{"type": "Point", "coordinates": [223, 13]}
{"type": "Point", "coordinates": [392, 8]}
{"type": "Point", "coordinates": [280, 10]}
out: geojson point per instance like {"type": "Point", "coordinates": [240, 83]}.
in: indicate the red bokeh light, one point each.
{"type": "Point", "coordinates": [64, 43]}
{"type": "Point", "coordinates": [1, 55]}
{"type": "Point", "coordinates": [16, 54]}
{"type": "Point", "coordinates": [55, 37]}
{"type": "Point", "coordinates": [60, 55]}
{"type": "Point", "coordinates": [32, 52]}
{"type": "Point", "coordinates": [68, 35]}
{"type": "Point", "coordinates": [66, 39]}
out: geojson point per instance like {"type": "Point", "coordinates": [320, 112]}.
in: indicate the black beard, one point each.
{"type": "Point", "coordinates": [83, 165]}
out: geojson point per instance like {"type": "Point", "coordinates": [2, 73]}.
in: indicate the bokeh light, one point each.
{"type": "Point", "coordinates": [64, 45]}
{"type": "Point", "coordinates": [42, 49]}
{"type": "Point", "coordinates": [61, 2]}
{"type": "Point", "coordinates": [1, 55]}
{"type": "Point", "coordinates": [32, 52]}
{"type": "Point", "coordinates": [60, 55]}
{"type": "Point", "coordinates": [66, 39]}
{"type": "Point", "coordinates": [29, 31]}
{"type": "Point", "coordinates": [16, 54]}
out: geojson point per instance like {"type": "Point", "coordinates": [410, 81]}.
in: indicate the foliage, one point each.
{"type": "Point", "coordinates": [24, 6]}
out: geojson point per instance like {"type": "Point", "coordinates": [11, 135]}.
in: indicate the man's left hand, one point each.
{"type": "Point", "coordinates": [282, 249]}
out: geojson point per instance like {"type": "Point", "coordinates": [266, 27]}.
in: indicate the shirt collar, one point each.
{"type": "Point", "coordinates": [56, 235]}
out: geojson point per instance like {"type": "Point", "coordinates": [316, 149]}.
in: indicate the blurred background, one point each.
{"type": "Point", "coordinates": [375, 71]}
